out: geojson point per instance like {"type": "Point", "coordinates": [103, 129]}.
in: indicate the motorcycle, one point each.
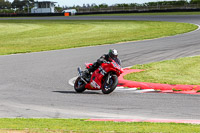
{"type": "Point", "coordinates": [104, 78]}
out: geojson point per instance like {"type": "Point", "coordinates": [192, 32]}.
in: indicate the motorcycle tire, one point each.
{"type": "Point", "coordinates": [79, 85]}
{"type": "Point", "coordinates": [108, 88]}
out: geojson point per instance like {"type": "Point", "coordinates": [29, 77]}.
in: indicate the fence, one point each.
{"type": "Point", "coordinates": [138, 8]}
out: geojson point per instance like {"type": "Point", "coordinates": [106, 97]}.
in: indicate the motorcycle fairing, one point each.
{"type": "Point", "coordinates": [95, 81]}
{"type": "Point", "coordinates": [88, 65]}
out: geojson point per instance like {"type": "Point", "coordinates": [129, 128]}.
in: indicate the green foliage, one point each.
{"type": "Point", "coordinates": [195, 1]}
{"type": "Point", "coordinates": [140, 14]}
{"type": "Point", "coordinates": [103, 5]}
{"type": "Point", "coordinates": [21, 4]}
{"type": "Point", "coordinates": [122, 5]}
{"type": "Point", "coordinates": [17, 4]}
{"type": "Point", "coordinates": [7, 11]}
{"type": "Point", "coordinates": [164, 3]}
{"type": "Point", "coordinates": [5, 4]}
{"type": "Point", "coordinates": [59, 9]}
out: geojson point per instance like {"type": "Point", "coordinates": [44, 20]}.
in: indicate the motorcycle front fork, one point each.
{"type": "Point", "coordinates": [81, 75]}
{"type": "Point", "coordinates": [108, 78]}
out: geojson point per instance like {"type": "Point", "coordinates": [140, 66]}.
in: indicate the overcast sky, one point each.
{"type": "Point", "coordinates": [109, 2]}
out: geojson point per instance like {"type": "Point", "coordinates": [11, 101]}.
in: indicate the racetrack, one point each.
{"type": "Point", "coordinates": [36, 84]}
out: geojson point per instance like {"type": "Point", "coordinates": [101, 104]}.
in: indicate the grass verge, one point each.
{"type": "Point", "coordinates": [80, 125]}
{"type": "Point", "coordinates": [179, 71]}
{"type": "Point", "coordinates": [23, 36]}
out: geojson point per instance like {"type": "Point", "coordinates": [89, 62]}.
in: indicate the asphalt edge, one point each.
{"type": "Point", "coordinates": [150, 120]}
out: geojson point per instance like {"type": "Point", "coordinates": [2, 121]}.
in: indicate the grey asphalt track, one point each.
{"type": "Point", "coordinates": [36, 84]}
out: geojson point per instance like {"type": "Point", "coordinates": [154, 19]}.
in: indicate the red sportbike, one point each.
{"type": "Point", "coordinates": [104, 78]}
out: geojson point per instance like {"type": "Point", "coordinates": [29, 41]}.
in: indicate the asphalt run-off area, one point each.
{"type": "Point", "coordinates": [35, 85]}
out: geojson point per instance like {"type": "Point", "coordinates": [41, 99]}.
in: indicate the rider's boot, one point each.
{"type": "Point", "coordinates": [86, 74]}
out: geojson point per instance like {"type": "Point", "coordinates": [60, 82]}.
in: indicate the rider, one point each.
{"type": "Point", "coordinates": [112, 54]}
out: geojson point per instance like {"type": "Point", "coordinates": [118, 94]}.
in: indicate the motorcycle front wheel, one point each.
{"type": "Point", "coordinates": [107, 88]}
{"type": "Point", "coordinates": [79, 85]}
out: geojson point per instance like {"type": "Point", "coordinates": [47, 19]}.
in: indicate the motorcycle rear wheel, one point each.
{"type": "Point", "coordinates": [108, 88]}
{"type": "Point", "coordinates": [79, 85]}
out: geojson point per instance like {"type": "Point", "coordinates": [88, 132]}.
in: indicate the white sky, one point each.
{"type": "Point", "coordinates": [109, 2]}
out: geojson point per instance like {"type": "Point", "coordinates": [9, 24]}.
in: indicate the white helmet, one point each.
{"type": "Point", "coordinates": [113, 53]}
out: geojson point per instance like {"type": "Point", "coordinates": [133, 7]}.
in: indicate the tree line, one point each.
{"type": "Point", "coordinates": [161, 3]}
{"type": "Point", "coordinates": [19, 4]}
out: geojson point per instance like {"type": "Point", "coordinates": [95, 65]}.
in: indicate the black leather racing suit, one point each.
{"type": "Point", "coordinates": [103, 58]}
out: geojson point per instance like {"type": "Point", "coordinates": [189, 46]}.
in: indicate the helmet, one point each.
{"type": "Point", "coordinates": [113, 53]}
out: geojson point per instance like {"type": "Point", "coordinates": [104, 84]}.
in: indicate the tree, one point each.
{"type": "Point", "coordinates": [94, 5]}
{"type": "Point", "coordinates": [88, 5]}
{"type": "Point", "coordinates": [58, 9]}
{"type": "Point", "coordinates": [133, 4]}
{"type": "Point", "coordinates": [5, 4]}
{"type": "Point", "coordinates": [8, 4]}
{"type": "Point", "coordinates": [195, 1]}
{"type": "Point", "coordinates": [84, 6]}
{"type": "Point", "coordinates": [17, 4]}
{"type": "Point", "coordinates": [122, 5]}
{"type": "Point", "coordinates": [22, 4]}
{"type": "Point", "coordinates": [103, 5]}
{"type": "Point", "coordinates": [1, 4]}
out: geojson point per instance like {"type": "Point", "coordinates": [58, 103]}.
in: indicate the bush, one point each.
{"type": "Point", "coordinates": [7, 11]}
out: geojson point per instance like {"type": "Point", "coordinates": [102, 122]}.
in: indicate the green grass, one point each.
{"type": "Point", "coordinates": [23, 36]}
{"type": "Point", "coordinates": [78, 125]}
{"type": "Point", "coordinates": [142, 14]}
{"type": "Point", "coordinates": [179, 71]}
